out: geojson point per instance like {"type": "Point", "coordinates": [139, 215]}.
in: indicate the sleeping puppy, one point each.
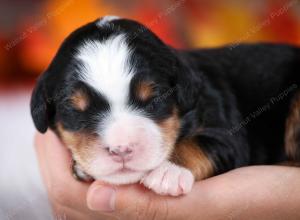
{"type": "Point", "coordinates": [132, 109]}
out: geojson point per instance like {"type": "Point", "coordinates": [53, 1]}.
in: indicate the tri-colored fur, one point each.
{"type": "Point", "coordinates": [130, 108]}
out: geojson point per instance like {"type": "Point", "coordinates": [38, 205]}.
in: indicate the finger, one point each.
{"type": "Point", "coordinates": [50, 151]}
{"type": "Point", "coordinates": [55, 165]}
{"type": "Point", "coordinates": [135, 201]}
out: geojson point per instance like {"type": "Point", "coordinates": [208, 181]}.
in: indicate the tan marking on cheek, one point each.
{"type": "Point", "coordinates": [188, 154]}
{"type": "Point", "coordinates": [79, 143]}
{"type": "Point", "coordinates": [80, 100]}
{"type": "Point", "coordinates": [144, 90]}
{"type": "Point", "coordinates": [170, 130]}
{"type": "Point", "coordinates": [292, 131]}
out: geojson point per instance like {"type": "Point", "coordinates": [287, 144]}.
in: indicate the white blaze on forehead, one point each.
{"type": "Point", "coordinates": [105, 20]}
{"type": "Point", "coordinates": [106, 66]}
{"type": "Point", "coordinates": [107, 69]}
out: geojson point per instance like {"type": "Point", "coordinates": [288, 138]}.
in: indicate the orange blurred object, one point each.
{"type": "Point", "coordinates": [180, 23]}
{"type": "Point", "coordinates": [59, 21]}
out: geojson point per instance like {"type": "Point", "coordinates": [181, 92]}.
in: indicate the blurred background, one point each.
{"type": "Point", "coordinates": [32, 30]}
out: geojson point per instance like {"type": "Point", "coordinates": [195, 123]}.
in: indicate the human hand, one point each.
{"type": "Point", "coordinates": [264, 192]}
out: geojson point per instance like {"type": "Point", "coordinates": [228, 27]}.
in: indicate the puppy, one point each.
{"type": "Point", "coordinates": [132, 109]}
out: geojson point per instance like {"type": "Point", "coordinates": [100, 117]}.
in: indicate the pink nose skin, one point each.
{"type": "Point", "coordinates": [121, 153]}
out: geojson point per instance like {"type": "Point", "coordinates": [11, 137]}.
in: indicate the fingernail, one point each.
{"type": "Point", "coordinates": [102, 198]}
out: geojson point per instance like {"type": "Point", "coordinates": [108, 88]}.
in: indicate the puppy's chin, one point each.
{"type": "Point", "coordinates": [122, 177]}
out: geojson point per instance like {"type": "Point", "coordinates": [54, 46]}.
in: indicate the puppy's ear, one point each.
{"type": "Point", "coordinates": [40, 105]}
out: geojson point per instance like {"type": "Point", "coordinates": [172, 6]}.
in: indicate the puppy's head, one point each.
{"type": "Point", "coordinates": [114, 93]}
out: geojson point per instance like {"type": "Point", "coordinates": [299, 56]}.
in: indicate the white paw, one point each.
{"type": "Point", "coordinates": [169, 179]}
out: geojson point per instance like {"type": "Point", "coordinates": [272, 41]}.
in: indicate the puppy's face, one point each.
{"type": "Point", "coordinates": [111, 95]}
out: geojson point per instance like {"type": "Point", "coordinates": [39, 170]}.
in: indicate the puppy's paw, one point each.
{"type": "Point", "coordinates": [169, 179]}
{"type": "Point", "coordinates": [79, 174]}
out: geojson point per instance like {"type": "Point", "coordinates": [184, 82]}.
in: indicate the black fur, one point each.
{"type": "Point", "coordinates": [229, 98]}
{"type": "Point", "coordinates": [245, 101]}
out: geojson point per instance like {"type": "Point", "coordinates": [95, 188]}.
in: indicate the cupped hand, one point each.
{"type": "Point", "coordinates": [258, 192]}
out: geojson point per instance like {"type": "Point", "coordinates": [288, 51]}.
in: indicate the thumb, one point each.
{"type": "Point", "coordinates": [134, 201]}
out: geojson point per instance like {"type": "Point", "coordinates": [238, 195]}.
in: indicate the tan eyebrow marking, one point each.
{"type": "Point", "coordinates": [80, 100]}
{"type": "Point", "coordinates": [145, 90]}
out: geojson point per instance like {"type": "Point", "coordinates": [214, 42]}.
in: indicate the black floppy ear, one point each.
{"type": "Point", "coordinates": [40, 106]}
